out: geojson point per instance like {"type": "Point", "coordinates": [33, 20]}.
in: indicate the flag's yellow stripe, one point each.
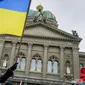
{"type": "Point", "coordinates": [11, 22]}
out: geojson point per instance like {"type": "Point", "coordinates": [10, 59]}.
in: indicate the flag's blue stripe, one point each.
{"type": "Point", "coordinates": [16, 5]}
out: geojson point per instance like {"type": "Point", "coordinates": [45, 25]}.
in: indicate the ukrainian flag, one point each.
{"type": "Point", "coordinates": [12, 16]}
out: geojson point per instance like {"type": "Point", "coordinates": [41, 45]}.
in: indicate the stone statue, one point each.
{"type": "Point", "coordinates": [5, 63]}
{"type": "Point", "coordinates": [75, 33]}
{"type": "Point", "coordinates": [40, 17]}
{"type": "Point", "coordinates": [68, 68]}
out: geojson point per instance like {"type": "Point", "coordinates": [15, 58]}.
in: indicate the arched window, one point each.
{"type": "Point", "coordinates": [49, 67]}
{"type": "Point", "coordinates": [21, 60]}
{"type": "Point", "coordinates": [18, 61]}
{"type": "Point", "coordinates": [36, 63]}
{"type": "Point", "coordinates": [33, 64]}
{"type": "Point", "coordinates": [55, 67]}
{"type": "Point", "coordinates": [39, 65]}
{"type": "Point", "coordinates": [52, 66]}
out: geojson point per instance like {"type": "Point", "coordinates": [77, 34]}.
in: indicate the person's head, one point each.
{"type": "Point", "coordinates": [8, 83]}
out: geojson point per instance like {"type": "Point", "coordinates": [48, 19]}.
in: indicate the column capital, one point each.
{"type": "Point", "coordinates": [62, 47]}
{"type": "Point", "coordinates": [30, 43]}
{"type": "Point", "coordinates": [75, 48]}
{"type": "Point", "coordinates": [2, 41]}
{"type": "Point", "coordinates": [46, 45]}
{"type": "Point", "coordinates": [14, 42]}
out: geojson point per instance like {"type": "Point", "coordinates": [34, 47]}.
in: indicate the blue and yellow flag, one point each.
{"type": "Point", "coordinates": [12, 16]}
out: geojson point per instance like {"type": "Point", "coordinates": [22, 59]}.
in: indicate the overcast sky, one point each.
{"type": "Point", "coordinates": [70, 15]}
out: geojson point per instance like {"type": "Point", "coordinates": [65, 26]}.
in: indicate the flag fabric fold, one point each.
{"type": "Point", "coordinates": [12, 16]}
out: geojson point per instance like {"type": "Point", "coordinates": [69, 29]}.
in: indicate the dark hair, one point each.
{"type": "Point", "coordinates": [8, 83]}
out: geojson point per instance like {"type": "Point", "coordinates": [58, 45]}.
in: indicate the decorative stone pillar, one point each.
{"type": "Point", "coordinates": [45, 60]}
{"type": "Point", "coordinates": [28, 58]}
{"type": "Point", "coordinates": [76, 63]}
{"type": "Point", "coordinates": [1, 47]}
{"type": "Point", "coordinates": [62, 62]}
{"type": "Point", "coordinates": [1, 50]}
{"type": "Point", "coordinates": [12, 53]}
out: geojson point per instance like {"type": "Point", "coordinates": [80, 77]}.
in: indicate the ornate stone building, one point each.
{"type": "Point", "coordinates": [48, 55]}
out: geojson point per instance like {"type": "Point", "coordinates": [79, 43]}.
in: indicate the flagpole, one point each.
{"type": "Point", "coordinates": [20, 82]}
{"type": "Point", "coordinates": [23, 29]}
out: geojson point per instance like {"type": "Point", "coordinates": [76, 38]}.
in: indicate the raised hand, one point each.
{"type": "Point", "coordinates": [14, 67]}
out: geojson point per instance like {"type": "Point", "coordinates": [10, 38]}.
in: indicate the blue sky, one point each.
{"type": "Point", "coordinates": [70, 15]}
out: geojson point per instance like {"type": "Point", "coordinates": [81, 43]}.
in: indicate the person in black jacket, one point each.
{"type": "Point", "coordinates": [8, 73]}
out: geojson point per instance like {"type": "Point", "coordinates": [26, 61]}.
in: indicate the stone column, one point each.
{"type": "Point", "coordinates": [12, 53]}
{"type": "Point", "coordinates": [76, 63]}
{"type": "Point", "coordinates": [28, 58]}
{"type": "Point", "coordinates": [61, 62]}
{"type": "Point", "coordinates": [1, 47]}
{"type": "Point", "coordinates": [45, 60]}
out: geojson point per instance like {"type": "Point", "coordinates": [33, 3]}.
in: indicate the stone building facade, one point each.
{"type": "Point", "coordinates": [48, 55]}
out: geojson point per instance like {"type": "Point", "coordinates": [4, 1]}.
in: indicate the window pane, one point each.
{"type": "Point", "coordinates": [23, 64]}
{"type": "Point", "coordinates": [39, 65]}
{"type": "Point", "coordinates": [33, 64]}
{"type": "Point", "coordinates": [55, 67]}
{"type": "Point", "coordinates": [18, 65]}
{"type": "Point", "coordinates": [49, 67]}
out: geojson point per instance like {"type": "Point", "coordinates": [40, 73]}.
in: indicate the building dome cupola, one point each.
{"type": "Point", "coordinates": [47, 14]}
{"type": "Point", "coordinates": [41, 15]}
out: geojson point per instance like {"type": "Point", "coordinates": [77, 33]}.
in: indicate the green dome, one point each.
{"type": "Point", "coordinates": [46, 14]}
{"type": "Point", "coordinates": [32, 13]}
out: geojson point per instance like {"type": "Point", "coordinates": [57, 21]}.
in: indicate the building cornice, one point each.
{"type": "Point", "coordinates": [82, 54]}
{"type": "Point", "coordinates": [52, 38]}
{"type": "Point", "coordinates": [37, 80]}
{"type": "Point", "coordinates": [12, 37]}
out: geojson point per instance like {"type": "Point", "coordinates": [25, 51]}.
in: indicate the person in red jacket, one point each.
{"type": "Point", "coordinates": [82, 77]}
{"type": "Point", "coordinates": [8, 73]}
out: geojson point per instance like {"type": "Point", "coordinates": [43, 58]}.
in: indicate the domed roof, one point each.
{"type": "Point", "coordinates": [32, 13]}
{"type": "Point", "coordinates": [49, 15]}
{"type": "Point", "coordinates": [46, 14]}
